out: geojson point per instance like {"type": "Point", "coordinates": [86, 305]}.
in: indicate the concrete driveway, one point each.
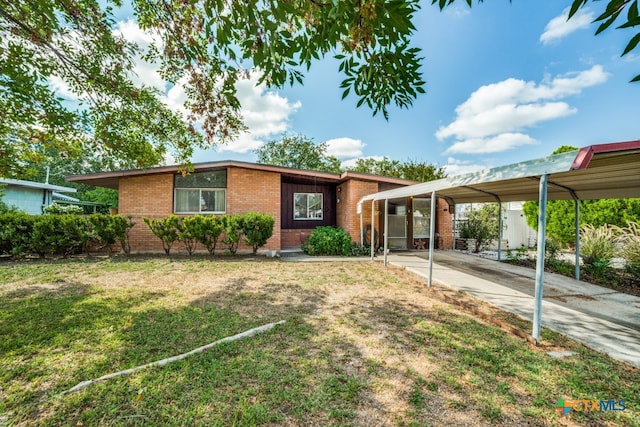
{"type": "Point", "coordinates": [601, 318]}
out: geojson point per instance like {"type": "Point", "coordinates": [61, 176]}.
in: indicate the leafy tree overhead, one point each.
{"type": "Point", "coordinates": [411, 170]}
{"type": "Point", "coordinates": [298, 152]}
{"type": "Point", "coordinates": [207, 45]}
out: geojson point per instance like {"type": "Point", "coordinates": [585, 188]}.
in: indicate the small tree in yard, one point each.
{"type": "Point", "coordinates": [482, 226]}
{"type": "Point", "coordinates": [166, 229]}
{"type": "Point", "coordinates": [257, 229]}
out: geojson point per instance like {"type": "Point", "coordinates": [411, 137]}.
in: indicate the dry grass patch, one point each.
{"type": "Point", "coordinates": [361, 346]}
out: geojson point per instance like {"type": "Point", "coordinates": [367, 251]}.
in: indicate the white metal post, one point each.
{"type": "Point", "coordinates": [499, 231]}
{"type": "Point", "coordinates": [542, 232]}
{"type": "Point", "coordinates": [432, 235]}
{"type": "Point", "coordinates": [361, 229]}
{"type": "Point", "coordinates": [577, 270]}
{"type": "Point", "coordinates": [386, 227]}
{"type": "Point", "coordinates": [373, 202]}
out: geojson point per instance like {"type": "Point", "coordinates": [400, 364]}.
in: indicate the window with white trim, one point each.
{"type": "Point", "coordinates": [307, 206]}
{"type": "Point", "coordinates": [201, 192]}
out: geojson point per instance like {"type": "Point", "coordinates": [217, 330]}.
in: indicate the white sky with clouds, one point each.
{"type": "Point", "coordinates": [505, 83]}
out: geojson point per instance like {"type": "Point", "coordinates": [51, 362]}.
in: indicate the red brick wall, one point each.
{"type": "Point", "coordinates": [151, 196]}
{"type": "Point", "coordinates": [148, 196]}
{"type": "Point", "coordinates": [444, 224]}
{"type": "Point", "coordinates": [347, 218]}
{"type": "Point", "coordinates": [293, 239]}
{"type": "Point", "coordinates": [255, 191]}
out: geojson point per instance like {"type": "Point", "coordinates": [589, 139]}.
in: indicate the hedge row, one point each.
{"type": "Point", "coordinates": [22, 234]}
{"type": "Point", "coordinates": [252, 228]}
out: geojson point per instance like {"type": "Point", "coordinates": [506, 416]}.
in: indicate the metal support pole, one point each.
{"type": "Point", "coordinates": [361, 229]}
{"type": "Point", "coordinates": [577, 271]}
{"type": "Point", "coordinates": [373, 204]}
{"type": "Point", "coordinates": [432, 234]}
{"type": "Point", "coordinates": [386, 227]}
{"type": "Point", "coordinates": [499, 231]}
{"type": "Point", "coordinates": [542, 232]}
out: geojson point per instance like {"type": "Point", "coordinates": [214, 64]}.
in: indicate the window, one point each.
{"type": "Point", "coordinates": [421, 218]}
{"type": "Point", "coordinates": [307, 206]}
{"type": "Point", "coordinates": [203, 192]}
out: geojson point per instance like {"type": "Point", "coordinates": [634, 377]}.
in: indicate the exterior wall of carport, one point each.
{"type": "Point", "coordinates": [151, 196]}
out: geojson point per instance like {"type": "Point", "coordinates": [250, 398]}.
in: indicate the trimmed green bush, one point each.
{"type": "Point", "coordinates": [256, 229]}
{"type": "Point", "coordinates": [22, 234]}
{"type": "Point", "coordinates": [166, 229]}
{"type": "Point", "coordinates": [326, 240]}
{"type": "Point", "coordinates": [232, 225]}
{"type": "Point", "coordinates": [188, 230]}
{"type": "Point", "coordinates": [207, 230]}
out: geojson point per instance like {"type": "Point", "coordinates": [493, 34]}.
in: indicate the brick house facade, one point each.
{"type": "Point", "coordinates": [299, 200]}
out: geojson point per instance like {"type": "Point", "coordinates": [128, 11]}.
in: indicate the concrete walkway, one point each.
{"type": "Point", "coordinates": [600, 318]}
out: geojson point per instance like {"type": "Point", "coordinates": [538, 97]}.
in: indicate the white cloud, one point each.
{"type": "Point", "coordinates": [347, 164]}
{"type": "Point", "coordinates": [458, 167]}
{"type": "Point", "coordinates": [344, 147]}
{"type": "Point", "coordinates": [496, 144]}
{"type": "Point", "coordinates": [560, 26]}
{"type": "Point", "coordinates": [495, 115]}
{"type": "Point", "coordinates": [144, 72]}
{"type": "Point", "coordinates": [265, 113]}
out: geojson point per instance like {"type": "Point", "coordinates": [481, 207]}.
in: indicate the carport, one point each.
{"type": "Point", "coordinates": [603, 171]}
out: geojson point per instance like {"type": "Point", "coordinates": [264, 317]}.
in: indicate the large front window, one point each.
{"type": "Point", "coordinates": [307, 206]}
{"type": "Point", "coordinates": [202, 192]}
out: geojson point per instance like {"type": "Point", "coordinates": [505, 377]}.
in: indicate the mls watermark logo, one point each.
{"type": "Point", "coordinates": [584, 405]}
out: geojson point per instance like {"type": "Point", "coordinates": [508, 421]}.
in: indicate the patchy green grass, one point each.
{"type": "Point", "coordinates": [360, 346]}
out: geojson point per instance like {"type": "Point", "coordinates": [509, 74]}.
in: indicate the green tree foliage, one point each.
{"type": "Point", "coordinates": [561, 213]}
{"type": "Point", "coordinates": [298, 152]}
{"type": "Point", "coordinates": [207, 45]}
{"type": "Point", "coordinates": [411, 170]}
{"type": "Point", "coordinates": [202, 44]}
{"type": "Point", "coordinates": [482, 225]}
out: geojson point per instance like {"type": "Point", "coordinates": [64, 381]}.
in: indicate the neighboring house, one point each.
{"type": "Point", "coordinates": [31, 197]}
{"type": "Point", "coordinates": [299, 200]}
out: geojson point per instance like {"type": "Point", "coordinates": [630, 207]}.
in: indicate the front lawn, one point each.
{"type": "Point", "coordinates": [361, 346]}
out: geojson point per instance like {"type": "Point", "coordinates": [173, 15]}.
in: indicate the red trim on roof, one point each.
{"type": "Point", "coordinates": [584, 156]}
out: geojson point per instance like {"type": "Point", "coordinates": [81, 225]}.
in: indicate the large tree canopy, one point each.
{"type": "Point", "coordinates": [206, 45]}
{"type": "Point", "coordinates": [412, 170]}
{"type": "Point", "coordinates": [298, 152]}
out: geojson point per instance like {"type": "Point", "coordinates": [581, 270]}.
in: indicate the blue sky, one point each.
{"type": "Point", "coordinates": [506, 82]}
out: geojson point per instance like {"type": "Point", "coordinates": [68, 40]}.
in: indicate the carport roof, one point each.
{"type": "Point", "coordinates": [601, 171]}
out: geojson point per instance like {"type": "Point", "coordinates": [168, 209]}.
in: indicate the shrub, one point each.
{"type": "Point", "coordinates": [326, 240]}
{"type": "Point", "coordinates": [188, 229]}
{"type": "Point", "coordinates": [207, 230]}
{"type": "Point", "coordinates": [15, 233]}
{"type": "Point", "coordinates": [166, 229]}
{"type": "Point", "coordinates": [482, 226]}
{"type": "Point", "coordinates": [60, 235]}
{"type": "Point", "coordinates": [232, 225]}
{"type": "Point", "coordinates": [256, 229]}
{"type": "Point", "coordinates": [598, 244]}
{"type": "Point", "coordinates": [630, 239]}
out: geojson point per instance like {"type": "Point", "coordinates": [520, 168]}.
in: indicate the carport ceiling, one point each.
{"type": "Point", "coordinates": [602, 171]}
